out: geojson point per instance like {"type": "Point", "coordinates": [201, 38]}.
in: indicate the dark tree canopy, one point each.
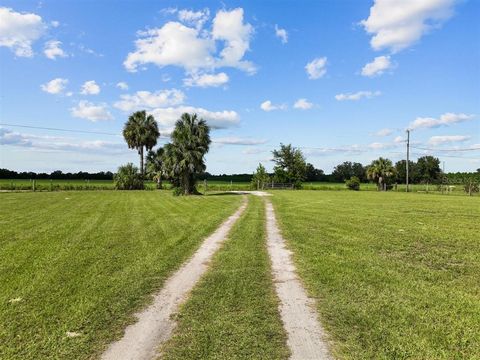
{"type": "Point", "coordinates": [428, 169]}
{"type": "Point", "coordinates": [347, 169]}
{"type": "Point", "coordinates": [290, 165]}
{"type": "Point", "coordinates": [313, 174]}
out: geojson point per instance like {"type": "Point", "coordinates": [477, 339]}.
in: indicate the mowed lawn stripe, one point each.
{"type": "Point", "coordinates": [232, 313]}
{"type": "Point", "coordinates": [84, 262]}
{"type": "Point", "coordinates": [395, 275]}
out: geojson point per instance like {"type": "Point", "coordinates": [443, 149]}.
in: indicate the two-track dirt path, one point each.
{"type": "Point", "coordinates": [155, 325]}
{"type": "Point", "coordinates": [305, 335]}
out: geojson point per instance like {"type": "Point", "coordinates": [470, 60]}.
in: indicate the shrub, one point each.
{"type": "Point", "coordinates": [353, 183]}
{"type": "Point", "coordinates": [128, 178]}
{"type": "Point", "coordinates": [471, 187]}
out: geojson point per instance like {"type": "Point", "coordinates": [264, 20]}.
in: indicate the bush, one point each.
{"type": "Point", "coordinates": [353, 183]}
{"type": "Point", "coordinates": [471, 187]}
{"type": "Point", "coordinates": [128, 178]}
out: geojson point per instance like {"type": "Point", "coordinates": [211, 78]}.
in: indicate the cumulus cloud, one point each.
{"type": "Point", "coordinates": [147, 99]}
{"type": "Point", "coordinates": [206, 80]}
{"type": "Point", "coordinates": [397, 24]}
{"type": "Point", "coordinates": [384, 132]}
{"type": "Point", "coordinates": [166, 117]}
{"type": "Point", "coordinates": [447, 139]}
{"type": "Point", "coordinates": [398, 139]}
{"type": "Point", "coordinates": [316, 68]}
{"type": "Point", "coordinates": [377, 67]}
{"type": "Point", "coordinates": [302, 104]}
{"type": "Point", "coordinates": [194, 48]}
{"type": "Point", "coordinates": [89, 111]}
{"type": "Point", "coordinates": [238, 141]}
{"type": "Point", "coordinates": [281, 34]}
{"type": "Point", "coordinates": [195, 18]}
{"type": "Point", "coordinates": [50, 143]}
{"type": "Point", "coordinates": [90, 88]}
{"type": "Point", "coordinates": [379, 146]}
{"type": "Point", "coordinates": [268, 106]}
{"type": "Point", "coordinates": [53, 50]}
{"type": "Point", "coordinates": [18, 31]}
{"type": "Point", "coordinates": [444, 120]}
{"type": "Point", "coordinates": [122, 85]}
{"type": "Point", "coordinates": [358, 95]}
{"type": "Point", "coordinates": [55, 86]}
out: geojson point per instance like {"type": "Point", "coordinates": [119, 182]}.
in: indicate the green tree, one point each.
{"type": "Point", "coordinates": [347, 169]}
{"type": "Point", "coordinates": [353, 183]}
{"type": "Point", "coordinates": [128, 178]}
{"type": "Point", "coordinates": [184, 157]}
{"type": "Point", "coordinates": [428, 169]}
{"type": "Point", "coordinates": [313, 174]}
{"type": "Point", "coordinates": [260, 178]}
{"type": "Point", "coordinates": [141, 132]}
{"type": "Point", "coordinates": [289, 164]}
{"type": "Point", "coordinates": [381, 171]}
{"type": "Point", "coordinates": [401, 171]}
{"type": "Point", "coordinates": [154, 166]}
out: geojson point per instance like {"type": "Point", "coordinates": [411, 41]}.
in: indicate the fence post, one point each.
{"type": "Point", "coordinates": [205, 186]}
{"type": "Point", "coordinates": [33, 185]}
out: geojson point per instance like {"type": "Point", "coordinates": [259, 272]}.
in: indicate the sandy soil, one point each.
{"type": "Point", "coordinates": [155, 324]}
{"type": "Point", "coordinates": [306, 337]}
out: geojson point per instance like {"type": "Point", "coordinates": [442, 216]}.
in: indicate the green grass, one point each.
{"type": "Point", "coordinates": [85, 261]}
{"type": "Point", "coordinates": [232, 312]}
{"type": "Point", "coordinates": [396, 276]}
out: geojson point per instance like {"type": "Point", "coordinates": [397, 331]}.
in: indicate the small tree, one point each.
{"type": "Point", "coordinates": [289, 163]}
{"type": "Point", "coordinates": [381, 171]}
{"type": "Point", "coordinates": [155, 168]}
{"type": "Point", "coordinates": [128, 178]}
{"type": "Point", "coordinates": [141, 132]}
{"type": "Point", "coordinates": [260, 178]}
{"type": "Point", "coordinates": [471, 187]}
{"type": "Point", "coordinates": [353, 183]}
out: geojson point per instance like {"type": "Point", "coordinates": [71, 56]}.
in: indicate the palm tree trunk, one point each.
{"type": "Point", "coordinates": [141, 160]}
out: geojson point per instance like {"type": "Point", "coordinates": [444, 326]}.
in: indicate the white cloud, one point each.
{"type": "Point", "coordinates": [268, 106]}
{"type": "Point", "coordinates": [89, 111]}
{"type": "Point", "coordinates": [253, 151]}
{"type": "Point", "coordinates": [380, 146]}
{"type": "Point", "coordinates": [53, 50]}
{"type": "Point", "coordinates": [18, 31]}
{"type": "Point", "coordinates": [238, 141]}
{"type": "Point", "coordinates": [377, 67]}
{"type": "Point", "coordinates": [384, 132]}
{"type": "Point", "coordinates": [50, 143]}
{"type": "Point", "coordinates": [206, 80]}
{"type": "Point", "coordinates": [398, 139]}
{"type": "Point", "coordinates": [302, 104]}
{"type": "Point", "coordinates": [55, 23]}
{"type": "Point", "coordinates": [281, 34]}
{"type": "Point", "coordinates": [192, 48]}
{"type": "Point", "coordinates": [229, 26]}
{"type": "Point", "coordinates": [55, 86]}
{"type": "Point", "coordinates": [196, 18]}
{"type": "Point", "coordinates": [122, 85]}
{"type": "Point", "coordinates": [166, 117]}
{"type": "Point", "coordinates": [316, 68]}
{"type": "Point", "coordinates": [444, 120]}
{"type": "Point", "coordinates": [90, 88]}
{"type": "Point", "coordinates": [447, 139]}
{"type": "Point", "coordinates": [358, 95]}
{"type": "Point", "coordinates": [147, 99]}
{"type": "Point", "coordinates": [397, 24]}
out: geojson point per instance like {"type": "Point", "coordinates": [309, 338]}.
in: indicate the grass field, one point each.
{"type": "Point", "coordinates": [82, 262]}
{"type": "Point", "coordinates": [212, 186]}
{"type": "Point", "coordinates": [232, 312]}
{"type": "Point", "coordinates": [395, 275]}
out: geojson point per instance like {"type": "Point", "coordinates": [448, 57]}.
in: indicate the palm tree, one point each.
{"type": "Point", "coordinates": [141, 131]}
{"type": "Point", "coordinates": [184, 156]}
{"type": "Point", "coordinates": [154, 166]}
{"type": "Point", "coordinates": [379, 171]}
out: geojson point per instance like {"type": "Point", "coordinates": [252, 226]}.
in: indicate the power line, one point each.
{"type": "Point", "coordinates": [59, 129]}
{"type": "Point", "coordinates": [448, 150]}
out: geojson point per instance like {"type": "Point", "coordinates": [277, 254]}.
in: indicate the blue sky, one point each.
{"type": "Point", "coordinates": [340, 79]}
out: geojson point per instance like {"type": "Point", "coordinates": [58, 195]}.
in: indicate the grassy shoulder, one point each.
{"type": "Point", "coordinates": [76, 265]}
{"type": "Point", "coordinates": [232, 313]}
{"type": "Point", "coordinates": [395, 275]}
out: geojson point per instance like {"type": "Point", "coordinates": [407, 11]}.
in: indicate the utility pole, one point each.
{"type": "Point", "coordinates": [408, 154]}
